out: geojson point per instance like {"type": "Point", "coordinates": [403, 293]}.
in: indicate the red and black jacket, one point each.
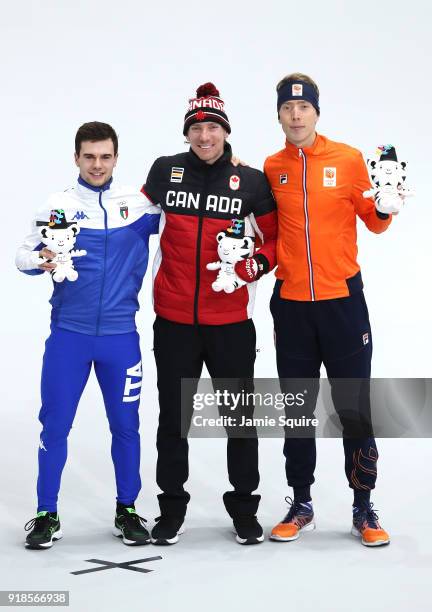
{"type": "Point", "coordinates": [198, 200]}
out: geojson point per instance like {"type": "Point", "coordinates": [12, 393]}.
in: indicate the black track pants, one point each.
{"type": "Point", "coordinates": [180, 352]}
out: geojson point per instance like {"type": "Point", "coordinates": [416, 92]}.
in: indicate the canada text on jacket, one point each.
{"type": "Point", "coordinates": [215, 203]}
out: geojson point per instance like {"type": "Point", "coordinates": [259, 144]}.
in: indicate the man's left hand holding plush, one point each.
{"type": "Point", "coordinates": [252, 268]}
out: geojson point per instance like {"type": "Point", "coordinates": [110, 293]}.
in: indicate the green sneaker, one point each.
{"type": "Point", "coordinates": [130, 527]}
{"type": "Point", "coordinates": [45, 529]}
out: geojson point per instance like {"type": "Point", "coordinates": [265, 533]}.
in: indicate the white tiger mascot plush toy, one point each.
{"type": "Point", "coordinates": [59, 236]}
{"type": "Point", "coordinates": [233, 246]}
{"type": "Point", "coordinates": [387, 176]}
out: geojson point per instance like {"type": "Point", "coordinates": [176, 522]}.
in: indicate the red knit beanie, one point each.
{"type": "Point", "coordinates": [207, 106]}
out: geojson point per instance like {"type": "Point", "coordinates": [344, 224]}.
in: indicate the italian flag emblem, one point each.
{"type": "Point", "coordinates": [124, 212]}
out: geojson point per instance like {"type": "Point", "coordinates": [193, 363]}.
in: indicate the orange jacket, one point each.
{"type": "Point", "coordinates": [319, 192]}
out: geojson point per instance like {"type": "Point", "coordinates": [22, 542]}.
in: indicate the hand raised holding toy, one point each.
{"type": "Point", "coordinates": [387, 176]}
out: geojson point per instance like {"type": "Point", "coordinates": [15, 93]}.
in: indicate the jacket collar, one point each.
{"type": "Point", "coordinates": [222, 160]}
{"type": "Point", "coordinates": [319, 145]}
{"type": "Point", "coordinates": [103, 187]}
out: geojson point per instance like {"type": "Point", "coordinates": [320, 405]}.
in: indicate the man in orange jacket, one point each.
{"type": "Point", "coordinates": [319, 311]}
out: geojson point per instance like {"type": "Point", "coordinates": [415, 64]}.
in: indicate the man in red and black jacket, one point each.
{"type": "Point", "coordinates": [200, 192]}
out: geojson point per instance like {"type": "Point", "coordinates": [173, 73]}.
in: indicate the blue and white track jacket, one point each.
{"type": "Point", "coordinates": [115, 225]}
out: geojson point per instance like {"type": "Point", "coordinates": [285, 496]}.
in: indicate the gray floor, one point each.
{"type": "Point", "coordinates": [327, 569]}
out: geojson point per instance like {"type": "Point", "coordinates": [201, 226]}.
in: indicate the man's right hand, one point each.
{"type": "Point", "coordinates": [236, 161]}
{"type": "Point", "coordinates": [388, 201]}
{"type": "Point", "coordinates": [45, 254]}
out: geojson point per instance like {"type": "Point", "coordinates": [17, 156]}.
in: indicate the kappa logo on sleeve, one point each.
{"type": "Point", "coordinates": [176, 175]}
{"type": "Point", "coordinates": [79, 216]}
{"type": "Point", "coordinates": [329, 178]}
{"type": "Point", "coordinates": [283, 179]}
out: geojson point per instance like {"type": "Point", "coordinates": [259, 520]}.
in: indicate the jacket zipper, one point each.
{"type": "Point", "coordinates": [104, 263]}
{"type": "Point", "coordinates": [198, 247]}
{"type": "Point", "coordinates": [307, 234]}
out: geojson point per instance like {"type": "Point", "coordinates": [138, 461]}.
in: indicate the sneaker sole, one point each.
{"type": "Point", "coordinates": [55, 536]}
{"type": "Point", "coordinates": [278, 538]}
{"type": "Point", "coordinates": [255, 540]}
{"type": "Point", "coordinates": [168, 541]}
{"type": "Point", "coordinates": [119, 534]}
{"type": "Point", "coordinates": [356, 533]}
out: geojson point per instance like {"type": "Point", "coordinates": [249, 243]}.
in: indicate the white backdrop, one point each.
{"type": "Point", "coordinates": [135, 66]}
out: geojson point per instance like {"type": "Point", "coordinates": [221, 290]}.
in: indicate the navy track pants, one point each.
{"type": "Point", "coordinates": [336, 333]}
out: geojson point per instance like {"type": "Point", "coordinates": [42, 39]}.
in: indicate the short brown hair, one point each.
{"type": "Point", "coordinates": [95, 131]}
{"type": "Point", "coordinates": [298, 76]}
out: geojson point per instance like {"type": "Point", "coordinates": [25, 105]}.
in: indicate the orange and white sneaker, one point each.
{"type": "Point", "coordinates": [300, 517]}
{"type": "Point", "coordinates": [367, 527]}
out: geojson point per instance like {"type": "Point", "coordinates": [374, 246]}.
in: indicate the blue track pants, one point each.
{"type": "Point", "coordinates": [66, 367]}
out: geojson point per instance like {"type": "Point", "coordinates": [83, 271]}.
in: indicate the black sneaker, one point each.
{"type": "Point", "coordinates": [247, 529]}
{"type": "Point", "coordinates": [130, 527]}
{"type": "Point", "coordinates": [45, 529]}
{"type": "Point", "coordinates": [167, 530]}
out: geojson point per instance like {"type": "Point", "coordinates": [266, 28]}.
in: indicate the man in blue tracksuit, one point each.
{"type": "Point", "coordinates": [92, 323]}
